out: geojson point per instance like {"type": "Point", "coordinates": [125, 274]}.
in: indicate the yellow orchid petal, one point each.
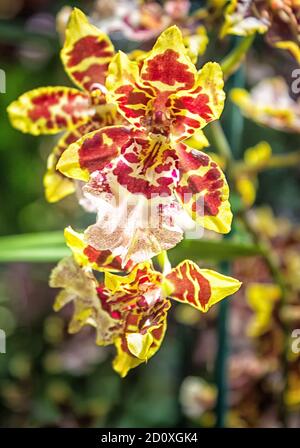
{"type": "Point", "coordinates": [127, 360]}
{"type": "Point", "coordinates": [168, 66]}
{"type": "Point", "coordinates": [197, 141]}
{"type": "Point", "coordinates": [194, 108]}
{"type": "Point", "coordinates": [119, 283]}
{"type": "Point", "coordinates": [57, 185]}
{"type": "Point", "coordinates": [125, 90]}
{"type": "Point", "coordinates": [139, 344]}
{"type": "Point", "coordinates": [269, 104]}
{"type": "Point", "coordinates": [92, 152]}
{"type": "Point", "coordinates": [292, 47]}
{"type": "Point", "coordinates": [240, 21]}
{"type": "Point", "coordinates": [247, 190]}
{"type": "Point", "coordinates": [262, 298]}
{"type": "Point", "coordinates": [200, 288]}
{"type": "Point", "coordinates": [203, 190]}
{"type": "Point", "coordinates": [87, 52]}
{"type": "Point", "coordinates": [258, 155]}
{"type": "Point", "coordinates": [49, 110]}
{"type": "Point", "coordinates": [196, 43]}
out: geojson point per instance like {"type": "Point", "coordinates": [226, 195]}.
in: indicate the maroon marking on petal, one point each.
{"type": "Point", "coordinates": [198, 106]}
{"type": "Point", "coordinates": [135, 177]}
{"type": "Point", "coordinates": [88, 46]}
{"type": "Point", "coordinates": [131, 97]}
{"type": "Point", "coordinates": [96, 73]}
{"type": "Point", "coordinates": [185, 288]}
{"type": "Point", "coordinates": [191, 160]}
{"type": "Point", "coordinates": [167, 69]}
{"type": "Point", "coordinates": [94, 154]}
{"type": "Point", "coordinates": [42, 104]}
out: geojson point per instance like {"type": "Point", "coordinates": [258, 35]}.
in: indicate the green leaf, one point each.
{"type": "Point", "coordinates": [33, 247]}
{"type": "Point", "coordinates": [33, 254]}
{"type": "Point", "coordinates": [49, 239]}
{"type": "Point", "coordinates": [50, 246]}
{"type": "Point", "coordinates": [211, 250]}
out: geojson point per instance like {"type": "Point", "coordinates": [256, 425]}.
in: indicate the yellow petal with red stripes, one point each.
{"type": "Point", "coordinates": [92, 152]}
{"type": "Point", "coordinates": [203, 190]}
{"type": "Point", "coordinates": [200, 288]}
{"type": "Point", "coordinates": [87, 52]}
{"type": "Point", "coordinates": [194, 108]}
{"type": "Point", "coordinates": [49, 110]}
{"type": "Point", "coordinates": [127, 91]}
{"type": "Point", "coordinates": [57, 185]}
{"type": "Point", "coordinates": [168, 67]}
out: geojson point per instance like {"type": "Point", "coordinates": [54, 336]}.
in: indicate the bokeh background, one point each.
{"type": "Point", "coordinates": [51, 379]}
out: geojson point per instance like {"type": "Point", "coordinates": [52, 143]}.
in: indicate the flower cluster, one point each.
{"type": "Point", "coordinates": [270, 104]}
{"type": "Point", "coordinates": [125, 148]}
{"type": "Point", "coordinates": [279, 19]}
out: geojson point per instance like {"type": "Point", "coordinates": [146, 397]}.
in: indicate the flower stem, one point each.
{"type": "Point", "coordinates": [232, 61]}
{"type": "Point", "coordinates": [219, 141]}
{"type": "Point", "coordinates": [276, 161]}
{"type": "Point", "coordinates": [221, 361]}
{"type": "Point", "coordinates": [273, 264]}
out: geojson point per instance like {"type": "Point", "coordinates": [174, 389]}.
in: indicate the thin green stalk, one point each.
{"type": "Point", "coordinates": [276, 161]}
{"type": "Point", "coordinates": [220, 142]}
{"type": "Point", "coordinates": [217, 138]}
{"type": "Point", "coordinates": [224, 148]}
{"type": "Point", "coordinates": [275, 271]}
{"type": "Point", "coordinates": [221, 360]}
{"type": "Point", "coordinates": [232, 61]}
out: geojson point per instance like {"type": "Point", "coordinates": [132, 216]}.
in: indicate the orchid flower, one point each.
{"type": "Point", "coordinates": [146, 163]}
{"type": "Point", "coordinates": [279, 19]}
{"type": "Point", "coordinates": [269, 104]}
{"type": "Point", "coordinates": [131, 311]}
{"type": "Point", "coordinates": [86, 55]}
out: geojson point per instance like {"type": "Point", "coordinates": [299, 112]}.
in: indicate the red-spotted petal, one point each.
{"type": "Point", "coordinates": [49, 110]}
{"type": "Point", "coordinates": [168, 66]}
{"type": "Point", "coordinates": [139, 301]}
{"type": "Point", "coordinates": [127, 91]}
{"type": "Point", "coordinates": [148, 167]}
{"type": "Point", "coordinates": [93, 151]}
{"type": "Point", "coordinates": [203, 103]}
{"type": "Point", "coordinates": [203, 190]}
{"type": "Point", "coordinates": [130, 224]}
{"type": "Point", "coordinates": [87, 52]}
{"type": "Point", "coordinates": [200, 288]}
{"type": "Point", "coordinates": [57, 185]}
